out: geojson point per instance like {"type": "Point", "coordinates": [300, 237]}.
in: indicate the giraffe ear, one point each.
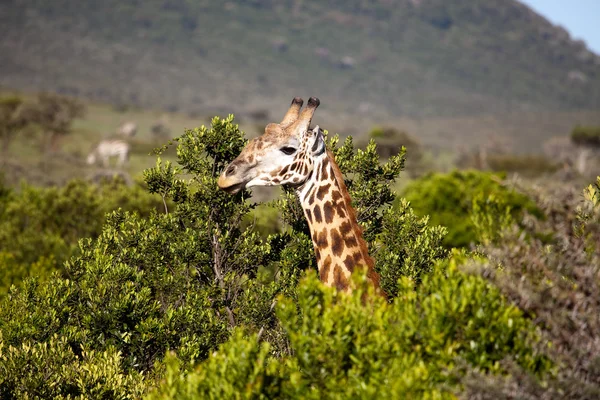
{"type": "Point", "coordinates": [318, 146]}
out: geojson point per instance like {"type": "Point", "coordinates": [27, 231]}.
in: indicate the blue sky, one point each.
{"type": "Point", "coordinates": [580, 17]}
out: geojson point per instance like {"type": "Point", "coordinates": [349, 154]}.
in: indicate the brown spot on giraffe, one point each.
{"type": "Point", "coordinates": [321, 239]}
{"type": "Point", "coordinates": [345, 229]}
{"type": "Point", "coordinates": [324, 173]}
{"type": "Point", "coordinates": [336, 196]}
{"type": "Point", "coordinates": [337, 244]}
{"type": "Point", "coordinates": [303, 169]}
{"type": "Point", "coordinates": [339, 279]}
{"type": "Point", "coordinates": [311, 199]}
{"type": "Point", "coordinates": [318, 215]}
{"type": "Point", "coordinates": [309, 178]}
{"type": "Point", "coordinates": [324, 269]}
{"type": "Point", "coordinates": [328, 212]}
{"type": "Point", "coordinates": [351, 242]}
{"type": "Point", "coordinates": [323, 190]}
{"type": "Point", "coordinates": [349, 263]}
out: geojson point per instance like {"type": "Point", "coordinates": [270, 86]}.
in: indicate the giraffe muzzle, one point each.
{"type": "Point", "coordinates": [230, 184]}
{"type": "Point", "coordinates": [229, 181]}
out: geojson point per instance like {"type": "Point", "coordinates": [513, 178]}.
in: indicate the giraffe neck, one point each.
{"type": "Point", "coordinates": [337, 238]}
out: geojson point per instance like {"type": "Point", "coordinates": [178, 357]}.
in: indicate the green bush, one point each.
{"type": "Point", "coordinates": [412, 256]}
{"type": "Point", "coordinates": [552, 273]}
{"type": "Point", "coordinates": [177, 280]}
{"type": "Point", "coordinates": [448, 200]}
{"type": "Point", "coordinates": [264, 219]}
{"type": "Point", "coordinates": [491, 217]}
{"type": "Point", "coordinates": [342, 348]}
{"type": "Point", "coordinates": [91, 374]}
{"type": "Point", "coordinates": [40, 227]}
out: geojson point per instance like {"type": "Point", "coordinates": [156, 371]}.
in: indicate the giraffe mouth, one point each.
{"type": "Point", "coordinates": [231, 189]}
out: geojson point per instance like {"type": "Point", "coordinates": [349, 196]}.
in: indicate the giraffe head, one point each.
{"type": "Point", "coordinates": [284, 155]}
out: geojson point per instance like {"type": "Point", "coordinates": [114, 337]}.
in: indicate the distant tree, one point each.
{"type": "Point", "coordinates": [390, 142]}
{"type": "Point", "coordinates": [587, 140]}
{"type": "Point", "coordinates": [529, 165]}
{"type": "Point", "coordinates": [54, 115]}
{"type": "Point", "coordinates": [160, 129]}
{"type": "Point", "coordinates": [11, 120]}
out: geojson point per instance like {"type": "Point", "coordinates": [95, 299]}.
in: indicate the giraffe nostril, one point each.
{"type": "Point", "coordinates": [230, 170]}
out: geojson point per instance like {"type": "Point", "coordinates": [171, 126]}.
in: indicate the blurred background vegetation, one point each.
{"type": "Point", "coordinates": [449, 68]}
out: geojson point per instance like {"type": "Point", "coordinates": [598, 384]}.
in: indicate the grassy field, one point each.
{"type": "Point", "coordinates": [26, 160]}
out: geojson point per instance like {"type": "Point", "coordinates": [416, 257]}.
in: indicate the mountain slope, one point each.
{"type": "Point", "coordinates": [380, 58]}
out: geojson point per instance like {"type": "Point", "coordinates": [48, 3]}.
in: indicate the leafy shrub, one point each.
{"type": "Point", "coordinates": [91, 374]}
{"type": "Point", "coordinates": [557, 268]}
{"type": "Point", "coordinates": [40, 227]}
{"type": "Point", "coordinates": [412, 256]}
{"type": "Point", "coordinates": [342, 348]}
{"type": "Point", "coordinates": [264, 219]}
{"type": "Point", "coordinates": [177, 280]}
{"type": "Point", "coordinates": [491, 216]}
{"type": "Point", "coordinates": [448, 200]}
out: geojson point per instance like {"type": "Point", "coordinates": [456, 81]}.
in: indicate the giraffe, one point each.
{"type": "Point", "coordinates": [290, 153]}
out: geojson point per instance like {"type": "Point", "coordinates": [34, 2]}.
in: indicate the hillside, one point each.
{"type": "Point", "coordinates": [365, 59]}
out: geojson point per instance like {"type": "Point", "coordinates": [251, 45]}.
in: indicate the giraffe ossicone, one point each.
{"type": "Point", "coordinates": [290, 153]}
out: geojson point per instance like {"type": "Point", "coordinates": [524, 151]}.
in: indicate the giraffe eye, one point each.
{"type": "Point", "coordinates": [287, 150]}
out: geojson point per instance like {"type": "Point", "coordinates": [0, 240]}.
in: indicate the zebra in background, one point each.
{"type": "Point", "coordinates": [110, 148]}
